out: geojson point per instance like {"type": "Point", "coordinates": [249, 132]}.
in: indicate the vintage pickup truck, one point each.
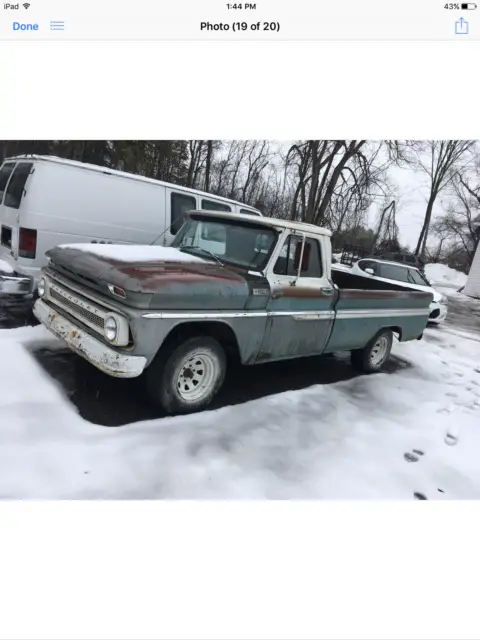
{"type": "Point", "coordinates": [229, 286]}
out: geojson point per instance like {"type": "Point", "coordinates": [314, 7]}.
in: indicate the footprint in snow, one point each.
{"type": "Point", "coordinates": [451, 439]}
{"type": "Point", "coordinates": [421, 496]}
{"type": "Point", "coordinates": [414, 456]}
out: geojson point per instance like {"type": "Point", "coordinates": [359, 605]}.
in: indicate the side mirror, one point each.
{"type": "Point", "coordinates": [370, 271]}
{"type": "Point", "coordinates": [298, 256]}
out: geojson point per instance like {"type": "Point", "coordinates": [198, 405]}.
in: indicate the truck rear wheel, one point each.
{"type": "Point", "coordinates": [188, 376]}
{"type": "Point", "coordinates": [374, 355]}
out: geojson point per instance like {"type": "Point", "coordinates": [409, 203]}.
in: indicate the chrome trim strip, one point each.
{"type": "Point", "coordinates": [298, 315]}
{"type": "Point", "coordinates": [381, 313]}
{"type": "Point", "coordinates": [322, 315]}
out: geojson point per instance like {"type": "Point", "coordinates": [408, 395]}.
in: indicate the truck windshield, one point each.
{"type": "Point", "coordinates": [238, 243]}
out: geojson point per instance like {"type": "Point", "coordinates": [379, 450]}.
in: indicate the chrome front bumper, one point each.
{"type": "Point", "coordinates": [87, 346]}
{"type": "Point", "coordinates": [12, 284]}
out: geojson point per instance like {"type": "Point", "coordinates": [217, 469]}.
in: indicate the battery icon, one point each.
{"type": "Point", "coordinates": [468, 5]}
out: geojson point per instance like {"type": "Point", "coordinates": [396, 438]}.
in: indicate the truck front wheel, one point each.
{"type": "Point", "coordinates": [187, 377]}
{"type": "Point", "coordinates": [374, 355]}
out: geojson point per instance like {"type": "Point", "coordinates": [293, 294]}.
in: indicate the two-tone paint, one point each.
{"type": "Point", "coordinates": [266, 316]}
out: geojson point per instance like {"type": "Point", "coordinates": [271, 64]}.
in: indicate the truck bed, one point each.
{"type": "Point", "coordinates": [348, 280]}
{"type": "Point", "coordinates": [365, 306]}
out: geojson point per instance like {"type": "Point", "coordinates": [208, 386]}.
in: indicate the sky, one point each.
{"type": "Point", "coordinates": [413, 193]}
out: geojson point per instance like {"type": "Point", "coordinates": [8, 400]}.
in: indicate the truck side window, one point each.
{"type": "Point", "coordinates": [16, 186]}
{"type": "Point", "coordinates": [285, 261]}
{"type": "Point", "coordinates": [5, 173]}
{"type": "Point", "coordinates": [180, 204]}
{"type": "Point", "coordinates": [215, 206]}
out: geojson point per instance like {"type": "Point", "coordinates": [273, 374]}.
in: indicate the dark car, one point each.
{"type": "Point", "coordinates": [404, 258]}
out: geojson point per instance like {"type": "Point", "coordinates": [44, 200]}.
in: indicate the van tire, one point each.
{"type": "Point", "coordinates": [373, 356]}
{"type": "Point", "coordinates": [185, 378]}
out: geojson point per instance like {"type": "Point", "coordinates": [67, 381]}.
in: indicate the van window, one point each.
{"type": "Point", "coordinates": [5, 173]}
{"type": "Point", "coordinates": [16, 186]}
{"type": "Point", "coordinates": [215, 206]}
{"type": "Point", "coordinates": [180, 204]}
{"type": "Point", "coordinates": [249, 212]}
{"type": "Point", "coordinates": [285, 261]}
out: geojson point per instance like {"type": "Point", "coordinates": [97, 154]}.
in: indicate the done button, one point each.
{"type": "Point", "coordinates": [24, 26]}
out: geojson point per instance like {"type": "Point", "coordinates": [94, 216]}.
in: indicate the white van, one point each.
{"type": "Point", "coordinates": [47, 201]}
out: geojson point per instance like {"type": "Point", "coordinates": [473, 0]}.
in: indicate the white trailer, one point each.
{"type": "Point", "coordinates": [46, 201]}
{"type": "Point", "coordinates": [472, 287]}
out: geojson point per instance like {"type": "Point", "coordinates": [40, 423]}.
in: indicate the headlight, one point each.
{"type": "Point", "coordinates": [42, 286]}
{"type": "Point", "coordinates": [111, 329]}
{"type": "Point", "coordinates": [444, 300]}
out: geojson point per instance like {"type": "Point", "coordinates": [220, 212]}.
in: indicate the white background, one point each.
{"type": "Point", "coordinates": [239, 570]}
{"type": "Point", "coordinates": [299, 20]}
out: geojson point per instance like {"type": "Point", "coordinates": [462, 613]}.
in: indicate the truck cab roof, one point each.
{"type": "Point", "coordinates": [276, 223]}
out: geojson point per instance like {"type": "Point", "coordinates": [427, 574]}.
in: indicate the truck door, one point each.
{"type": "Point", "coordinates": [177, 204]}
{"type": "Point", "coordinates": [300, 310]}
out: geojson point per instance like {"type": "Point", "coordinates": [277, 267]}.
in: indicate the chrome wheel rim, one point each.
{"type": "Point", "coordinates": [379, 351]}
{"type": "Point", "coordinates": [196, 377]}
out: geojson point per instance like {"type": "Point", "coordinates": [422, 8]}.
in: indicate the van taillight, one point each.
{"type": "Point", "coordinates": [27, 243]}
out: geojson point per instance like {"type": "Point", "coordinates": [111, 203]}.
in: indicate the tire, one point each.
{"type": "Point", "coordinates": [171, 376]}
{"type": "Point", "coordinates": [373, 356]}
{"type": "Point", "coordinates": [31, 317]}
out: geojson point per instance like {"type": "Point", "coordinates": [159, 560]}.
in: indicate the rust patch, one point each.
{"type": "Point", "coordinates": [179, 273]}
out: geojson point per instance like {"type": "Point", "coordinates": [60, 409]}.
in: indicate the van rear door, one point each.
{"type": "Point", "coordinates": [6, 228]}
{"type": "Point", "coordinates": [13, 178]}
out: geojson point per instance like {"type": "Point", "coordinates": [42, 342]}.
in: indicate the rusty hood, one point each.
{"type": "Point", "coordinates": [158, 277]}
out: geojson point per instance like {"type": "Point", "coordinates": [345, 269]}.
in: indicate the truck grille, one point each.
{"type": "Point", "coordinates": [77, 310]}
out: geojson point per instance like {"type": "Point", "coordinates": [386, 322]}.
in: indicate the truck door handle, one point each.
{"type": "Point", "coordinates": [326, 290]}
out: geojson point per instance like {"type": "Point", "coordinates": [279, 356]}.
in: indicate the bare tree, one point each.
{"type": "Point", "coordinates": [319, 165]}
{"type": "Point", "coordinates": [197, 150]}
{"type": "Point", "coordinates": [457, 229]}
{"type": "Point", "coordinates": [208, 165]}
{"type": "Point", "coordinates": [440, 161]}
{"type": "Point", "coordinates": [387, 229]}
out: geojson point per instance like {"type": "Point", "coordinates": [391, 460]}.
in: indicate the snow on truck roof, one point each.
{"type": "Point", "coordinates": [264, 221]}
{"type": "Point", "coordinates": [126, 174]}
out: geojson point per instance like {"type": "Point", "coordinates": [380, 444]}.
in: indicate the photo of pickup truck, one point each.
{"type": "Point", "coordinates": [229, 286]}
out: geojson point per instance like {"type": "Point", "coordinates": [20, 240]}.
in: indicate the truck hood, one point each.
{"type": "Point", "coordinates": [158, 277]}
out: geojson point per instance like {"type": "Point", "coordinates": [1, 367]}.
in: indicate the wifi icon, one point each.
{"type": "Point", "coordinates": [26, 5]}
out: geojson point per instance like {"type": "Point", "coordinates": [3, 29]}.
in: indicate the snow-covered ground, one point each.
{"type": "Point", "coordinates": [6, 268]}
{"type": "Point", "coordinates": [440, 274]}
{"type": "Point", "coordinates": [380, 436]}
